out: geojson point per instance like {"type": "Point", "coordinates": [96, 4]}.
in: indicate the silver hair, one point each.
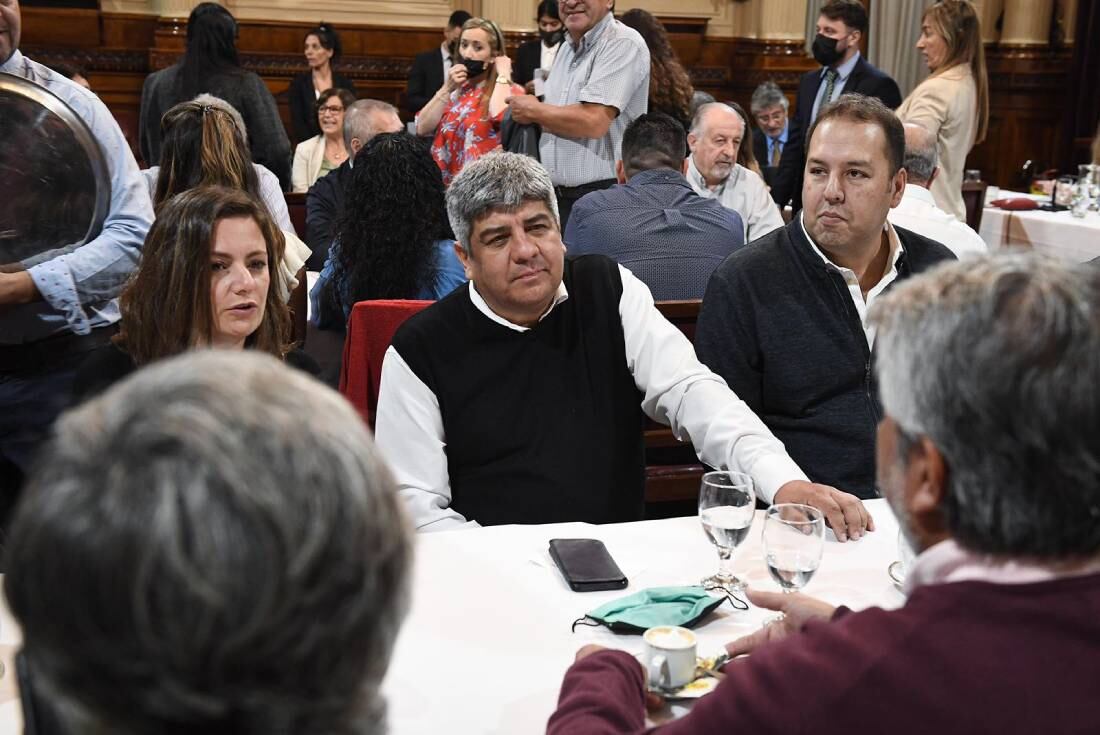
{"type": "Point", "coordinates": [768, 94]}
{"type": "Point", "coordinates": [210, 100]}
{"type": "Point", "coordinates": [213, 545]}
{"type": "Point", "coordinates": [921, 156]}
{"type": "Point", "coordinates": [359, 119]}
{"type": "Point", "coordinates": [497, 182]}
{"type": "Point", "coordinates": [701, 113]}
{"type": "Point", "coordinates": [995, 361]}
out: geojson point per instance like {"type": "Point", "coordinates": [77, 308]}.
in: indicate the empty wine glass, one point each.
{"type": "Point", "coordinates": [727, 503]}
{"type": "Point", "coordinates": [793, 539]}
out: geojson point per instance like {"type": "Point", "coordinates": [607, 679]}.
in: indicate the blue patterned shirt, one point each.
{"type": "Point", "coordinates": [659, 229]}
{"type": "Point", "coordinates": [80, 286]}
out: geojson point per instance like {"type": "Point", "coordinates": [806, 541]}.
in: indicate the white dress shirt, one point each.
{"type": "Point", "coordinates": [745, 193]}
{"type": "Point", "coordinates": [679, 391]}
{"type": "Point", "coordinates": [852, 280]}
{"type": "Point", "coordinates": [547, 54]}
{"type": "Point", "coordinates": [918, 212]}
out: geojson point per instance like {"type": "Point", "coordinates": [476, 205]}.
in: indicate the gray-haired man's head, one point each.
{"type": "Point", "coordinates": [211, 546]}
{"type": "Point", "coordinates": [769, 108]}
{"type": "Point", "coordinates": [365, 119]}
{"type": "Point", "coordinates": [990, 381]}
{"type": "Point", "coordinates": [921, 157]}
{"type": "Point", "coordinates": [500, 181]}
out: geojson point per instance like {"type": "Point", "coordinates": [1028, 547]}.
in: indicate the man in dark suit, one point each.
{"type": "Point", "coordinates": [539, 54]}
{"type": "Point", "coordinates": [769, 111]}
{"type": "Point", "coordinates": [840, 28]}
{"type": "Point", "coordinates": [430, 68]}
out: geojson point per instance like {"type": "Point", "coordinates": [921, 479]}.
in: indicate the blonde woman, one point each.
{"type": "Point", "coordinates": [465, 113]}
{"type": "Point", "coordinates": [953, 103]}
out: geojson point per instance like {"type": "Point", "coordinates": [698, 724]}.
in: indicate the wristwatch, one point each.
{"type": "Point", "coordinates": [503, 80]}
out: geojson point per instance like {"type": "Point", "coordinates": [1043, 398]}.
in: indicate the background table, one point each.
{"type": "Point", "coordinates": [1057, 233]}
{"type": "Point", "coordinates": [488, 637]}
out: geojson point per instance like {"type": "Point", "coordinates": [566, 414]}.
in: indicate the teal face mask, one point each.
{"type": "Point", "coordinates": [682, 606]}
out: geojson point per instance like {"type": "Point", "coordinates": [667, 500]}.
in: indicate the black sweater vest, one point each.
{"type": "Point", "coordinates": [542, 426]}
{"type": "Point", "coordinates": [780, 326]}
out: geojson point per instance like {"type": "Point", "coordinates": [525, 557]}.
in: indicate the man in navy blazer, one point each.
{"type": "Point", "coordinates": [841, 26]}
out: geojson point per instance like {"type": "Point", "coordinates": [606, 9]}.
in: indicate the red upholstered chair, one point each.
{"type": "Point", "coordinates": [370, 330]}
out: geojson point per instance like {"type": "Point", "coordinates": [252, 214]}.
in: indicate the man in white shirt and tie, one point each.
{"type": "Point", "coordinates": [918, 211]}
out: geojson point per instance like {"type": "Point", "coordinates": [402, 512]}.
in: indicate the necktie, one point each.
{"type": "Point", "coordinates": [777, 150]}
{"type": "Point", "coordinates": [830, 80]}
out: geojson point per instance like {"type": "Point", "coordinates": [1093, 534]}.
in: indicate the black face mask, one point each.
{"type": "Point", "coordinates": [552, 38]}
{"type": "Point", "coordinates": [824, 50]}
{"type": "Point", "coordinates": [473, 67]}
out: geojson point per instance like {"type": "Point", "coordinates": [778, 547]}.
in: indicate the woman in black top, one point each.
{"type": "Point", "coordinates": [322, 50]}
{"type": "Point", "coordinates": [205, 281]}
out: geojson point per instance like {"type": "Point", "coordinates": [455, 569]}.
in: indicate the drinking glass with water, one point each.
{"type": "Point", "coordinates": [793, 539]}
{"type": "Point", "coordinates": [727, 503]}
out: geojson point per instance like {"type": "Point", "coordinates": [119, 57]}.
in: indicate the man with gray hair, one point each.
{"type": "Point", "coordinates": [519, 397]}
{"type": "Point", "coordinates": [917, 210]}
{"type": "Point", "coordinates": [769, 108]}
{"type": "Point", "coordinates": [988, 455]}
{"type": "Point", "coordinates": [713, 171]}
{"type": "Point", "coordinates": [212, 546]}
{"type": "Point", "coordinates": [363, 120]}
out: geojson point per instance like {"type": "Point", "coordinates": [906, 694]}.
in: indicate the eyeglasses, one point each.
{"type": "Point", "coordinates": [329, 109]}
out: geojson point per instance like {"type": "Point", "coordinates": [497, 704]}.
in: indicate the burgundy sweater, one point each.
{"type": "Point", "coordinates": [965, 657]}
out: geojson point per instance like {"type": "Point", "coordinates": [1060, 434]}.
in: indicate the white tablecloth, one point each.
{"type": "Point", "coordinates": [488, 638]}
{"type": "Point", "coordinates": [1056, 233]}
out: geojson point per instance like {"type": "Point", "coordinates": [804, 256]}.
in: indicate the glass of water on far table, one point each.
{"type": "Point", "coordinates": [727, 503]}
{"type": "Point", "coordinates": [793, 540]}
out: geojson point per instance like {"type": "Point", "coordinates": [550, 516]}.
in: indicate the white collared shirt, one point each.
{"type": "Point", "coordinates": [852, 280]}
{"type": "Point", "coordinates": [918, 212]}
{"type": "Point", "coordinates": [678, 391]}
{"type": "Point", "coordinates": [547, 55]}
{"type": "Point", "coordinates": [745, 193]}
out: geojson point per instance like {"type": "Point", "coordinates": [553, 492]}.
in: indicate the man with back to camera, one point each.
{"type": "Point", "coordinates": [988, 457]}
{"type": "Point", "coordinates": [713, 171]}
{"type": "Point", "coordinates": [784, 320]}
{"type": "Point", "coordinates": [769, 109]}
{"type": "Point", "coordinates": [653, 223]}
{"type": "Point", "coordinates": [519, 397]}
{"type": "Point", "coordinates": [54, 310]}
{"type": "Point", "coordinates": [430, 68]}
{"type": "Point", "coordinates": [599, 83]}
{"type": "Point", "coordinates": [249, 555]}
{"type": "Point", "coordinates": [363, 120]}
{"type": "Point", "coordinates": [917, 210]}
{"type": "Point", "coordinates": [841, 26]}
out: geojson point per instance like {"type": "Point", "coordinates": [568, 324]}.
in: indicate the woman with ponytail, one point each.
{"type": "Point", "coordinates": [205, 144]}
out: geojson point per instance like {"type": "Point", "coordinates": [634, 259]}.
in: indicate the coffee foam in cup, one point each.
{"type": "Point", "coordinates": [669, 637]}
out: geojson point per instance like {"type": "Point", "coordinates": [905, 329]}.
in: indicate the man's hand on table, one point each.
{"type": "Point", "coordinates": [653, 702]}
{"type": "Point", "coordinates": [844, 512]}
{"type": "Point", "coordinates": [798, 609]}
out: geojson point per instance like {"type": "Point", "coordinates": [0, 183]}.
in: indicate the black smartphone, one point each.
{"type": "Point", "coordinates": [586, 564]}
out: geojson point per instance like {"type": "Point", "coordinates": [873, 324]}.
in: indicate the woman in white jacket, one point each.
{"type": "Point", "coordinates": [953, 103]}
{"type": "Point", "coordinates": [322, 153]}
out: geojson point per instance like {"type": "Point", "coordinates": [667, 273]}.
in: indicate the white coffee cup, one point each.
{"type": "Point", "coordinates": [669, 656]}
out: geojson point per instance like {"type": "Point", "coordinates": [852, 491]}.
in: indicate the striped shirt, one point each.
{"type": "Point", "coordinates": [610, 66]}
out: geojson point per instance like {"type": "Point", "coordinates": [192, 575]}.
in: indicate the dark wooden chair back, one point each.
{"type": "Point", "coordinates": [673, 471]}
{"type": "Point", "coordinates": [296, 206]}
{"type": "Point", "coordinates": [974, 201]}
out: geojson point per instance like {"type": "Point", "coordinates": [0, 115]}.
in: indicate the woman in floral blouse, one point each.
{"type": "Point", "coordinates": [465, 113]}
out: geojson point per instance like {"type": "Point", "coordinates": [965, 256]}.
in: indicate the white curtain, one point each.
{"type": "Point", "coordinates": [895, 27]}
